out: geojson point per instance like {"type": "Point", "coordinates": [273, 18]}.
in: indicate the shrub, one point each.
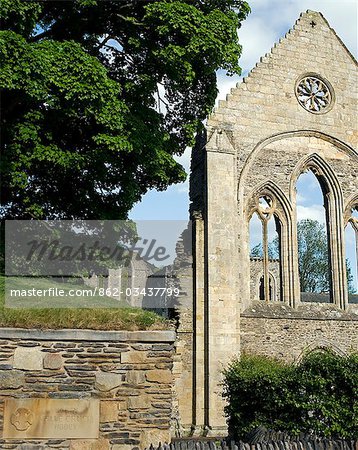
{"type": "Point", "coordinates": [317, 396]}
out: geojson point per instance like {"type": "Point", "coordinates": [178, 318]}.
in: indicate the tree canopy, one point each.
{"type": "Point", "coordinates": [99, 96]}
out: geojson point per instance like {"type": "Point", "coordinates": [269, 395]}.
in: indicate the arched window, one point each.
{"type": "Point", "coordinates": [314, 262]}
{"type": "Point", "coordinates": [272, 288]}
{"type": "Point", "coordinates": [265, 267]}
{"type": "Point", "coordinates": [351, 240]}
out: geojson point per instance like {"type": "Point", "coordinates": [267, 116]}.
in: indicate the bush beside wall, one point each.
{"type": "Point", "coordinates": [317, 396]}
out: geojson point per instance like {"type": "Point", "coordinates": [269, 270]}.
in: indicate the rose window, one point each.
{"type": "Point", "coordinates": [313, 94]}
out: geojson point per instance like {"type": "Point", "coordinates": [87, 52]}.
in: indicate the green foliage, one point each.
{"type": "Point", "coordinates": [98, 97]}
{"type": "Point", "coordinates": [313, 259]}
{"type": "Point", "coordinates": [273, 250]}
{"type": "Point", "coordinates": [317, 396]}
{"type": "Point", "coordinates": [350, 279]}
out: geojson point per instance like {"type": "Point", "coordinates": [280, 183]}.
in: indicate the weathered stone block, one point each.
{"type": "Point", "coordinates": [44, 418]}
{"type": "Point", "coordinates": [109, 411]}
{"type": "Point", "coordinates": [135, 377]}
{"type": "Point", "coordinates": [159, 376]}
{"type": "Point", "coordinates": [122, 447]}
{"type": "Point", "coordinates": [134, 357]}
{"type": "Point", "coordinates": [106, 381]}
{"type": "Point", "coordinates": [30, 447]}
{"type": "Point", "coordinates": [139, 402]}
{"type": "Point", "coordinates": [11, 379]}
{"type": "Point", "coordinates": [28, 358]}
{"type": "Point", "coordinates": [154, 437]}
{"type": "Point", "coordinates": [53, 361]}
{"type": "Point", "coordinates": [90, 444]}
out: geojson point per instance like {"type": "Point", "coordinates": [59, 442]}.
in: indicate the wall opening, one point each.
{"type": "Point", "coordinates": [265, 254]}
{"type": "Point", "coordinates": [272, 288]}
{"type": "Point", "coordinates": [351, 241]}
{"type": "Point", "coordinates": [314, 261]}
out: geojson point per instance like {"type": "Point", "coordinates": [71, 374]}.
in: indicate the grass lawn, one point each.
{"type": "Point", "coordinates": [98, 313]}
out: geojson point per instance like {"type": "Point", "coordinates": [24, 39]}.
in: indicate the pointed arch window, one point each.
{"type": "Point", "coordinates": [314, 262]}
{"type": "Point", "coordinates": [265, 250]}
{"type": "Point", "coordinates": [351, 240]}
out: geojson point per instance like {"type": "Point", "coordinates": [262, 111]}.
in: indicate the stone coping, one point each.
{"type": "Point", "coordinates": [88, 335]}
{"type": "Point", "coordinates": [305, 311]}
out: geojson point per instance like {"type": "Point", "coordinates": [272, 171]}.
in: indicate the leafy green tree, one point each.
{"type": "Point", "coordinates": [313, 259]}
{"type": "Point", "coordinates": [273, 250]}
{"type": "Point", "coordinates": [350, 278]}
{"type": "Point", "coordinates": [99, 96]}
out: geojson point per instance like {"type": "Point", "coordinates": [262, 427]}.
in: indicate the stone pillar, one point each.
{"type": "Point", "coordinates": [221, 308]}
{"type": "Point", "coordinates": [199, 335]}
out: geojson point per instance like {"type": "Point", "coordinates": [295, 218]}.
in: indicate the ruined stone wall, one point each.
{"type": "Point", "coordinates": [275, 139]}
{"type": "Point", "coordinates": [125, 375]}
{"type": "Point", "coordinates": [285, 333]}
{"type": "Point", "coordinates": [257, 143]}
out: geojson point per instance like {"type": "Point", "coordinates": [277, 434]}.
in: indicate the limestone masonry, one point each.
{"type": "Point", "coordinates": [84, 390]}
{"type": "Point", "coordinates": [295, 111]}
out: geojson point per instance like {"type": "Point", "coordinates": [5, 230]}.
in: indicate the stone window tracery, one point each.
{"type": "Point", "coordinates": [313, 237]}
{"type": "Point", "coordinates": [314, 94]}
{"type": "Point", "coordinates": [266, 257]}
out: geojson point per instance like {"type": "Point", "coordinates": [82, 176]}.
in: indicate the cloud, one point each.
{"type": "Point", "coordinates": [313, 212]}
{"type": "Point", "coordinates": [300, 198]}
{"type": "Point", "coordinates": [183, 188]}
{"type": "Point", "coordinates": [255, 231]}
{"type": "Point", "coordinates": [257, 36]}
{"type": "Point", "coordinates": [225, 84]}
{"type": "Point", "coordinates": [350, 236]}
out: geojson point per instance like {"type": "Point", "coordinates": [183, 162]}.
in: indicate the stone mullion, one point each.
{"type": "Point", "coordinates": [336, 248]}
{"type": "Point", "coordinates": [354, 223]}
{"type": "Point", "coordinates": [265, 260]}
{"type": "Point", "coordinates": [294, 277]}
{"type": "Point", "coordinates": [286, 262]}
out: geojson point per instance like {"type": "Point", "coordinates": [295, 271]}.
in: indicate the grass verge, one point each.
{"type": "Point", "coordinates": [96, 318]}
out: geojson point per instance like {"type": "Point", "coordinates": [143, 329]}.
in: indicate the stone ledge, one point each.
{"type": "Point", "coordinates": [308, 311]}
{"type": "Point", "coordinates": [88, 335]}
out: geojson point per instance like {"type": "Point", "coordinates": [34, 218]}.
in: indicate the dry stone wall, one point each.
{"type": "Point", "coordinates": [127, 376]}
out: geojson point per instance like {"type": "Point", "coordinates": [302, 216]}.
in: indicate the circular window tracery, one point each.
{"type": "Point", "coordinates": [314, 94]}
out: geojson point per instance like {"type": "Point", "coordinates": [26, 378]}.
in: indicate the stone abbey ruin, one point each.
{"type": "Point", "coordinates": [295, 112]}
